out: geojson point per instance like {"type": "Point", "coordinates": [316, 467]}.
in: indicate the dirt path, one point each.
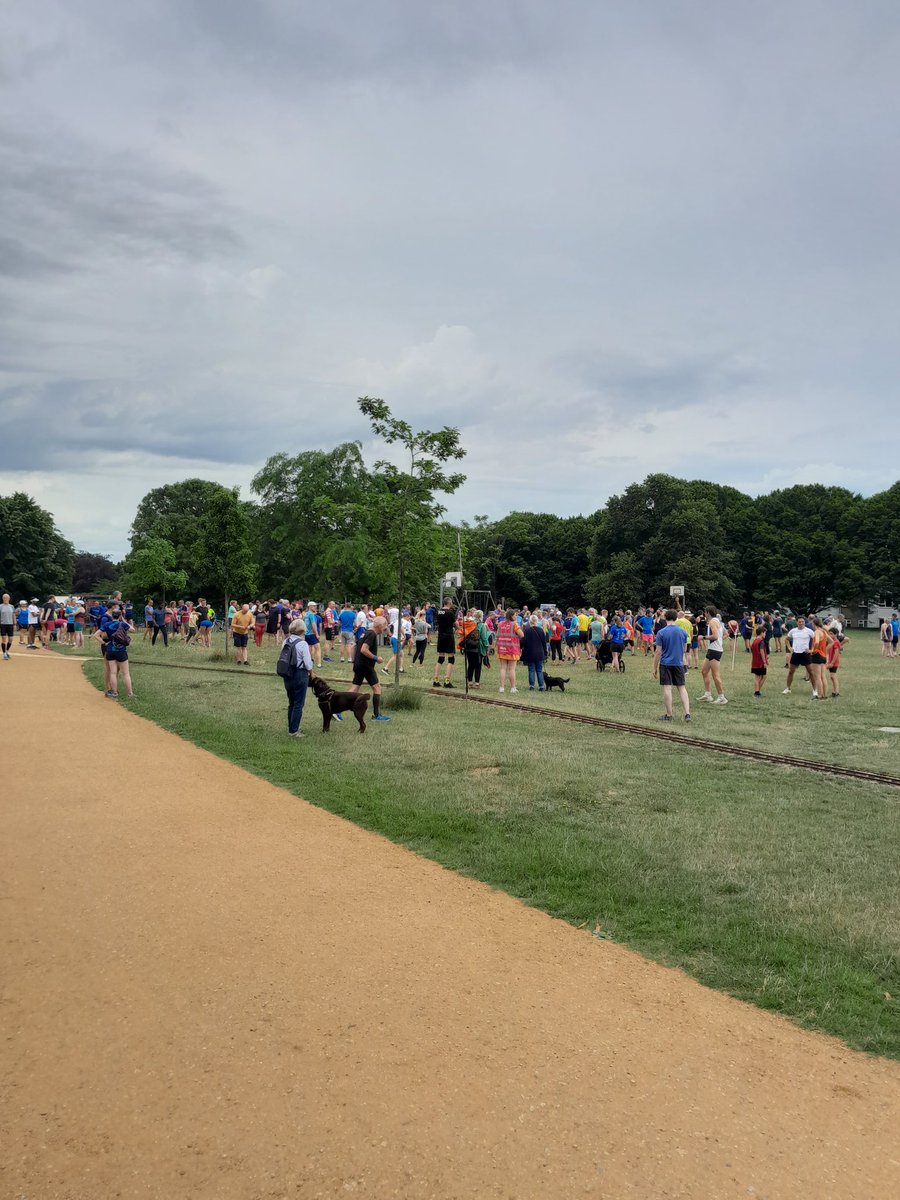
{"type": "Point", "coordinates": [212, 989]}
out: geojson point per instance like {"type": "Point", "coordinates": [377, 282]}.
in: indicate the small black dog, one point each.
{"type": "Point", "coordinates": [553, 681]}
{"type": "Point", "coordinates": [332, 703]}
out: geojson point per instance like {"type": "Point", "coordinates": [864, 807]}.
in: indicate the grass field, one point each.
{"type": "Point", "coordinates": [776, 885]}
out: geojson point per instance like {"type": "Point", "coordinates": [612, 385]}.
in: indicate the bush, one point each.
{"type": "Point", "coordinates": [406, 699]}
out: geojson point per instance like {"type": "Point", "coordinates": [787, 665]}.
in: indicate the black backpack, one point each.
{"type": "Point", "coordinates": [120, 637]}
{"type": "Point", "coordinates": [472, 642]}
{"type": "Point", "coordinates": [287, 660]}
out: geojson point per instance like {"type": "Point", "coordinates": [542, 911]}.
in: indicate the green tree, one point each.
{"type": "Point", "coordinates": [620, 584]}
{"type": "Point", "coordinates": [35, 559]}
{"type": "Point", "coordinates": [173, 512]}
{"type": "Point", "coordinates": [224, 559]}
{"type": "Point", "coordinates": [150, 570]}
{"type": "Point", "coordinates": [309, 537]}
{"type": "Point", "coordinates": [91, 570]}
{"type": "Point", "coordinates": [408, 506]}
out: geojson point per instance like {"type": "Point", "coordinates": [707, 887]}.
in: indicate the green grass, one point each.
{"type": "Point", "coordinates": [844, 732]}
{"type": "Point", "coordinates": [776, 885]}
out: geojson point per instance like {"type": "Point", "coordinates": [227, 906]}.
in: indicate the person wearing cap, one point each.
{"type": "Point", "coordinates": [34, 623]}
{"type": "Point", "coordinates": [22, 621]}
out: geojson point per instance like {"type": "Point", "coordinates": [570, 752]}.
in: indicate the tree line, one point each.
{"type": "Point", "coordinates": [323, 523]}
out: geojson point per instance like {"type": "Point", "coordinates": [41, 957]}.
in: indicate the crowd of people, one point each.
{"type": "Point", "coordinates": [677, 640]}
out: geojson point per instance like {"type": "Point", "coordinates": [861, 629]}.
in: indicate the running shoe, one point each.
{"type": "Point", "coordinates": [664, 718]}
{"type": "Point", "coordinates": [437, 683]}
{"type": "Point", "coordinates": [786, 692]}
{"type": "Point", "coordinates": [688, 717]}
{"type": "Point", "coordinates": [448, 684]}
{"type": "Point", "coordinates": [720, 700]}
{"type": "Point", "coordinates": [706, 696]}
{"type": "Point", "coordinates": [299, 733]}
{"type": "Point", "coordinates": [514, 691]}
{"type": "Point", "coordinates": [381, 717]}
{"type": "Point", "coordinates": [337, 716]}
{"type": "Point", "coordinates": [502, 690]}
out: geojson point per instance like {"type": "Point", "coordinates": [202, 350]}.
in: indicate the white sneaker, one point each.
{"type": "Point", "coordinates": [705, 696]}
{"type": "Point", "coordinates": [786, 692]}
{"type": "Point", "coordinates": [514, 691]}
{"type": "Point", "coordinates": [502, 690]}
{"type": "Point", "coordinates": [815, 695]}
{"type": "Point", "coordinates": [720, 700]}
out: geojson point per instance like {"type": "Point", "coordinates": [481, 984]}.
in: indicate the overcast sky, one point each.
{"type": "Point", "coordinates": [604, 239]}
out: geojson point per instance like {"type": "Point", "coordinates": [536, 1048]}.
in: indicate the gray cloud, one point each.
{"type": "Point", "coordinates": [592, 235]}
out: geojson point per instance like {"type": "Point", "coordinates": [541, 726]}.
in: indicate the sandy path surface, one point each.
{"type": "Point", "coordinates": [212, 989]}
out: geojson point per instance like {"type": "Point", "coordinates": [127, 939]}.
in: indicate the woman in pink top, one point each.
{"type": "Point", "coordinates": [509, 650]}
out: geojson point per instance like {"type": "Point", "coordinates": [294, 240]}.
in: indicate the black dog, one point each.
{"type": "Point", "coordinates": [332, 703]}
{"type": "Point", "coordinates": [553, 681]}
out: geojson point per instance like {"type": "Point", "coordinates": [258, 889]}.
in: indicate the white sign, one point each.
{"type": "Point", "coordinates": [676, 590]}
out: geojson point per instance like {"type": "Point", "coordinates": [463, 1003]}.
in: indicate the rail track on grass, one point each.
{"type": "Point", "coordinates": [684, 740]}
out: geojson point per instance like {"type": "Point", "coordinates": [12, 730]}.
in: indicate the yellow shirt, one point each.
{"type": "Point", "coordinates": [684, 623]}
{"type": "Point", "coordinates": [241, 622]}
{"type": "Point", "coordinates": [584, 622]}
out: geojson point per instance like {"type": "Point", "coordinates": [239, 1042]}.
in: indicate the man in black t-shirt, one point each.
{"type": "Point", "coordinates": [445, 621]}
{"type": "Point", "coordinates": [365, 661]}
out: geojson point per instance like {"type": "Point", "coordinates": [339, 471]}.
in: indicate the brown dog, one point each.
{"type": "Point", "coordinates": [333, 703]}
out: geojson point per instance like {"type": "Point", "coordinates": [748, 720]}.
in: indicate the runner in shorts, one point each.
{"type": "Point", "coordinates": [346, 621]}
{"type": "Point", "coordinates": [114, 637]}
{"type": "Point", "coordinates": [759, 663]}
{"type": "Point", "coordinates": [241, 624]}
{"type": "Point", "coordinates": [799, 639]}
{"type": "Point", "coordinates": [668, 664]}
{"type": "Point", "coordinates": [711, 668]}
{"type": "Point", "coordinates": [365, 665]}
{"type": "Point", "coordinates": [445, 621]}
{"type": "Point", "coordinates": [836, 644]}
{"type": "Point", "coordinates": [7, 624]}
{"type": "Point", "coordinates": [818, 656]}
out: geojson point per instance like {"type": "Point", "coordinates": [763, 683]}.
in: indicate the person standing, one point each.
{"type": "Point", "coordinates": [297, 681]}
{"type": "Point", "coordinates": [799, 639]}
{"type": "Point", "coordinates": [7, 624]}
{"type": "Point", "coordinates": [114, 636]}
{"type": "Point", "coordinates": [895, 631]}
{"type": "Point", "coordinates": [668, 664]}
{"type": "Point", "coordinates": [711, 668]}
{"type": "Point", "coordinates": [346, 622]}
{"type": "Point", "coordinates": [534, 651]}
{"type": "Point", "coordinates": [445, 622]}
{"type": "Point", "coordinates": [34, 624]}
{"type": "Point", "coordinates": [509, 638]}
{"type": "Point", "coordinates": [886, 633]}
{"type": "Point", "coordinates": [836, 643]}
{"type": "Point", "coordinates": [149, 625]}
{"type": "Point", "coordinates": [241, 624]}
{"type": "Point", "coordinates": [617, 643]}
{"type": "Point", "coordinates": [48, 621]}
{"type": "Point", "coordinates": [365, 663]}
{"type": "Point", "coordinates": [759, 662]}
{"type": "Point", "coordinates": [259, 623]}
{"type": "Point", "coordinates": [421, 637]}
{"type": "Point", "coordinates": [22, 621]}
{"type": "Point", "coordinates": [158, 614]}
{"type": "Point", "coordinates": [818, 656]}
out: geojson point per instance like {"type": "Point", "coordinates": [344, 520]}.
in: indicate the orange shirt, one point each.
{"type": "Point", "coordinates": [819, 642]}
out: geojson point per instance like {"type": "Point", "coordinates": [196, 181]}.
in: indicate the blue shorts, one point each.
{"type": "Point", "coordinates": [206, 624]}
{"type": "Point", "coordinates": [394, 645]}
{"type": "Point", "coordinates": [312, 640]}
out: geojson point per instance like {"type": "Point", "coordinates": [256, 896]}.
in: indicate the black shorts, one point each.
{"type": "Point", "coordinates": [760, 671]}
{"type": "Point", "coordinates": [7, 630]}
{"type": "Point", "coordinates": [671, 676]}
{"type": "Point", "coordinates": [584, 636]}
{"type": "Point", "coordinates": [800, 660]}
{"type": "Point", "coordinates": [818, 659]}
{"type": "Point", "coordinates": [714, 655]}
{"type": "Point", "coordinates": [446, 645]}
{"type": "Point", "coordinates": [616, 647]}
{"type": "Point", "coordinates": [240, 640]}
{"type": "Point", "coordinates": [833, 670]}
{"type": "Point", "coordinates": [364, 671]}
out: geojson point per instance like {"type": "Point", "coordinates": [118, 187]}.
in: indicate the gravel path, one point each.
{"type": "Point", "coordinates": [212, 989]}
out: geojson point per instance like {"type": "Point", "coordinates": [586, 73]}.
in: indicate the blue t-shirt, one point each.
{"type": "Point", "coordinates": [672, 639]}
{"type": "Point", "coordinates": [645, 624]}
{"type": "Point", "coordinates": [348, 620]}
{"type": "Point", "coordinates": [895, 625]}
{"type": "Point", "coordinates": [617, 634]}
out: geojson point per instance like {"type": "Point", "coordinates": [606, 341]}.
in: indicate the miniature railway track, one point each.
{"type": "Point", "coordinates": [681, 739]}
{"type": "Point", "coordinates": [688, 741]}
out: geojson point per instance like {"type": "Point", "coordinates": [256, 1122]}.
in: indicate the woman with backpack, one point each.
{"type": "Point", "coordinates": [295, 667]}
{"type": "Point", "coordinates": [114, 638]}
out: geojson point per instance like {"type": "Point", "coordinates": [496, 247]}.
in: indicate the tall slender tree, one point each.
{"type": "Point", "coordinates": [408, 505]}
